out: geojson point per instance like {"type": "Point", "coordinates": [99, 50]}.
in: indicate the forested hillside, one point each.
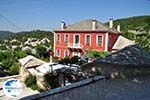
{"type": "Point", "coordinates": [39, 34]}
{"type": "Point", "coordinates": [6, 34]}
{"type": "Point", "coordinates": [133, 23]}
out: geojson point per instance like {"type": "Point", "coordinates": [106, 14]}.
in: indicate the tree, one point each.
{"type": "Point", "coordinates": [147, 26]}
{"type": "Point", "coordinates": [143, 40]}
{"type": "Point", "coordinates": [7, 63]}
{"type": "Point", "coordinates": [31, 82]}
{"type": "Point", "coordinates": [51, 80]}
{"type": "Point", "coordinates": [129, 35]}
{"type": "Point", "coordinates": [14, 69]}
{"type": "Point", "coordinates": [40, 49]}
{"type": "Point", "coordinates": [94, 54]}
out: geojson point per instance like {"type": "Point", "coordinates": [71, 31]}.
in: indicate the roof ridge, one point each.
{"type": "Point", "coordinates": [86, 25]}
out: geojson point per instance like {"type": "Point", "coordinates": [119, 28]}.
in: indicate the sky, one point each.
{"type": "Point", "coordinates": [30, 15]}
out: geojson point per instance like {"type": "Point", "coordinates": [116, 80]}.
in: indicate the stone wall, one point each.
{"type": "Point", "coordinates": [98, 88]}
{"type": "Point", "coordinates": [115, 70]}
{"type": "Point", "coordinates": [2, 79]}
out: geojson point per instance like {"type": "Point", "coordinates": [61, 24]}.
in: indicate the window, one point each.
{"type": "Point", "coordinates": [88, 40]}
{"type": "Point", "coordinates": [58, 53]}
{"type": "Point", "coordinates": [99, 40]}
{"type": "Point", "coordinates": [58, 37]}
{"type": "Point", "coordinates": [66, 38]}
{"type": "Point", "coordinates": [66, 53]}
{"type": "Point", "coordinates": [76, 40]}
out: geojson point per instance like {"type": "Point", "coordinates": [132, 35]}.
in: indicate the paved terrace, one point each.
{"type": "Point", "coordinates": [98, 88]}
{"type": "Point", "coordinates": [25, 91]}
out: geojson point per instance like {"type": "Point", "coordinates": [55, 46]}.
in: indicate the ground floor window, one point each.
{"type": "Point", "coordinates": [66, 53]}
{"type": "Point", "coordinates": [99, 40]}
{"type": "Point", "coordinates": [88, 40]}
{"type": "Point", "coordinates": [58, 52]}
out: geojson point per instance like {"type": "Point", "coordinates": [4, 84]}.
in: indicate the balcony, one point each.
{"type": "Point", "coordinates": [77, 46]}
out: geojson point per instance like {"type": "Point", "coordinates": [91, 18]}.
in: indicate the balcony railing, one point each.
{"type": "Point", "coordinates": [72, 45]}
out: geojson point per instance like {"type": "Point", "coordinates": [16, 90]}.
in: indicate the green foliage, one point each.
{"type": "Point", "coordinates": [28, 52]}
{"type": "Point", "coordinates": [14, 69]}
{"type": "Point", "coordinates": [132, 23]}
{"type": "Point", "coordinates": [73, 60]}
{"type": "Point", "coordinates": [143, 40]}
{"type": "Point", "coordinates": [7, 63]}
{"type": "Point", "coordinates": [129, 35]}
{"type": "Point", "coordinates": [6, 34]}
{"type": "Point", "coordinates": [5, 55]}
{"type": "Point", "coordinates": [40, 49]}
{"type": "Point", "coordinates": [30, 81]}
{"type": "Point", "coordinates": [64, 61]}
{"type": "Point", "coordinates": [10, 58]}
{"type": "Point", "coordinates": [147, 25]}
{"type": "Point", "coordinates": [93, 54]}
{"type": "Point", "coordinates": [19, 54]}
{"type": "Point", "coordinates": [51, 80]}
{"type": "Point", "coordinates": [22, 36]}
{"type": "Point", "coordinates": [3, 47]}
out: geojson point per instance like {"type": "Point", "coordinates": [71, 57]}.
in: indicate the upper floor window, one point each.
{"type": "Point", "coordinates": [99, 40]}
{"type": "Point", "coordinates": [66, 38]}
{"type": "Point", "coordinates": [58, 37]}
{"type": "Point", "coordinates": [88, 40]}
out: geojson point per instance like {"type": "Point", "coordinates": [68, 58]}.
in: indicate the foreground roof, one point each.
{"type": "Point", "coordinates": [86, 25]}
{"type": "Point", "coordinates": [98, 88]}
{"type": "Point", "coordinates": [121, 43]}
{"type": "Point", "coordinates": [130, 55]}
{"type": "Point", "coordinates": [31, 61]}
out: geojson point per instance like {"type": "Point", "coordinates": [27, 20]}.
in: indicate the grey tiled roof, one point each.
{"type": "Point", "coordinates": [86, 25]}
{"type": "Point", "coordinates": [137, 88]}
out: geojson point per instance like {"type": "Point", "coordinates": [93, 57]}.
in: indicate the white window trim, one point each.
{"type": "Point", "coordinates": [65, 38]}
{"type": "Point", "coordinates": [59, 52]}
{"type": "Point", "coordinates": [97, 40]}
{"type": "Point", "coordinates": [86, 38]}
{"type": "Point", "coordinates": [65, 53]}
{"type": "Point", "coordinates": [74, 38]}
{"type": "Point", "coordinates": [57, 37]}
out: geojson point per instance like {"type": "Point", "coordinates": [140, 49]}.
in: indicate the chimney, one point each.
{"type": "Point", "coordinates": [63, 25]}
{"type": "Point", "coordinates": [93, 24]}
{"type": "Point", "coordinates": [118, 27]}
{"type": "Point", "coordinates": [110, 23]}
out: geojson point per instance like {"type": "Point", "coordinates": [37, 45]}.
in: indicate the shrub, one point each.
{"type": "Point", "coordinates": [51, 80]}
{"type": "Point", "coordinates": [14, 69]}
{"type": "Point", "coordinates": [30, 81]}
{"type": "Point", "coordinates": [73, 60]}
{"type": "Point", "coordinates": [92, 54]}
{"type": "Point", "coordinates": [7, 63]}
{"type": "Point", "coordinates": [64, 61]}
{"type": "Point", "coordinates": [40, 49]}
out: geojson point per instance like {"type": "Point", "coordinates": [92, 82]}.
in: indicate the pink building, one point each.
{"type": "Point", "coordinates": [76, 39]}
